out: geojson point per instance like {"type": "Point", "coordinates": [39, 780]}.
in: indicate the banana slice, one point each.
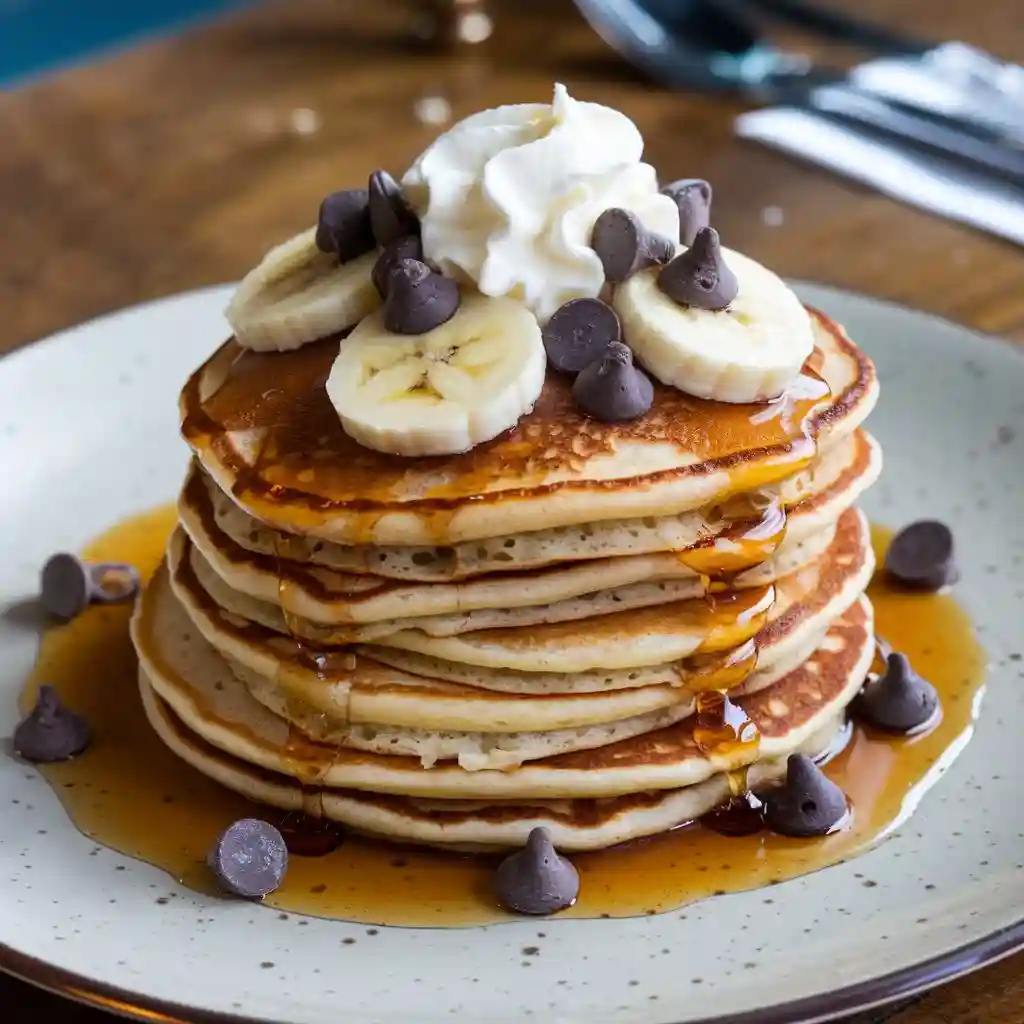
{"type": "Point", "coordinates": [298, 294]}
{"type": "Point", "coordinates": [442, 392]}
{"type": "Point", "coordinates": [749, 352]}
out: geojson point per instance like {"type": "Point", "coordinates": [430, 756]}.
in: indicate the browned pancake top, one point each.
{"type": "Point", "coordinates": [305, 456]}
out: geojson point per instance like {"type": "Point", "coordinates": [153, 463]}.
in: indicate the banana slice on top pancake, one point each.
{"type": "Point", "coordinates": [442, 392]}
{"type": "Point", "coordinates": [749, 351]}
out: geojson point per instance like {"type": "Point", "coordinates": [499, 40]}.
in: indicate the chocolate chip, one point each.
{"type": "Point", "coordinates": [699, 277]}
{"type": "Point", "coordinates": [67, 585]}
{"type": "Point", "coordinates": [250, 858]}
{"type": "Point", "coordinates": [693, 197]}
{"type": "Point", "coordinates": [611, 388]}
{"type": "Point", "coordinates": [408, 247]}
{"type": "Point", "coordinates": [921, 556]}
{"type": "Point", "coordinates": [898, 700]}
{"type": "Point", "coordinates": [50, 732]}
{"type": "Point", "coordinates": [808, 803]}
{"type": "Point", "coordinates": [343, 225]}
{"type": "Point", "coordinates": [579, 332]}
{"type": "Point", "coordinates": [418, 298]}
{"type": "Point", "coordinates": [536, 880]}
{"type": "Point", "coordinates": [390, 215]}
{"type": "Point", "coordinates": [625, 246]}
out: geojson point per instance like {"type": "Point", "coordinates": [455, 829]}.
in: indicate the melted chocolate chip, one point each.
{"type": "Point", "coordinates": [391, 216]}
{"type": "Point", "coordinates": [536, 880]}
{"type": "Point", "coordinates": [579, 332]}
{"type": "Point", "coordinates": [249, 859]}
{"type": "Point", "coordinates": [625, 246]}
{"type": "Point", "coordinates": [699, 277]}
{"type": "Point", "coordinates": [408, 247]}
{"type": "Point", "coordinates": [67, 585]}
{"type": "Point", "coordinates": [808, 803]}
{"type": "Point", "coordinates": [343, 224]}
{"type": "Point", "coordinates": [898, 700]}
{"type": "Point", "coordinates": [922, 557]}
{"type": "Point", "coordinates": [693, 197]}
{"type": "Point", "coordinates": [418, 299]}
{"type": "Point", "coordinates": [611, 388]}
{"type": "Point", "coordinates": [50, 732]}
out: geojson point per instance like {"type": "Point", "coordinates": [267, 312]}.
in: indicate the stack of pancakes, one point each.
{"type": "Point", "coordinates": [605, 629]}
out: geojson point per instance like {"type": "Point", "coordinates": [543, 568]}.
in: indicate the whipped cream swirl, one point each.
{"type": "Point", "coordinates": [508, 197]}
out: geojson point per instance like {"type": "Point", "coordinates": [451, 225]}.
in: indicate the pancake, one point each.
{"type": "Point", "coordinates": [325, 596]}
{"type": "Point", "coordinates": [343, 688]}
{"type": "Point", "coordinates": [262, 426]}
{"type": "Point", "coordinates": [164, 635]}
{"type": "Point", "coordinates": [339, 683]}
{"type": "Point", "coordinates": [575, 825]}
{"type": "Point", "coordinates": [660, 634]}
{"type": "Point", "coordinates": [201, 689]}
{"type": "Point", "coordinates": [813, 498]}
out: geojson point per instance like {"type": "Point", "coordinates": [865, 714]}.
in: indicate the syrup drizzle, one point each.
{"type": "Point", "coordinates": [130, 793]}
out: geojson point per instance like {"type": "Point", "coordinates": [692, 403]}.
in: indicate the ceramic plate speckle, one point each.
{"type": "Point", "coordinates": [88, 431]}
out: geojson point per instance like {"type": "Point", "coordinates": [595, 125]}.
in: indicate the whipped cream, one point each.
{"type": "Point", "coordinates": [508, 197]}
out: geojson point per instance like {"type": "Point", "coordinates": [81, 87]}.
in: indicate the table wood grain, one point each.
{"type": "Point", "coordinates": [176, 164]}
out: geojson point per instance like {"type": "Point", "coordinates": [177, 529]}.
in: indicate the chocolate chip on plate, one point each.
{"type": "Point", "coordinates": [579, 332]}
{"type": "Point", "coordinates": [67, 585]}
{"type": "Point", "coordinates": [418, 299]}
{"type": "Point", "coordinates": [390, 215]}
{"type": "Point", "coordinates": [921, 556]}
{"type": "Point", "coordinates": [808, 803]}
{"type": "Point", "coordinates": [693, 197]}
{"type": "Point", "coordinates": [249, 859]}
{"type": "Point", "coordinates": [50, 731]}
{"type": "Point", "coordinates": [625, 246]}
{"type": "Point", "coordinates": [343, 224]}
{"type": "Point", "coordinates": [898, 700]}
{"type": "Point", "coordinates": [536, 880]}
{"type": "Point", "coordinates": [408, 247]}
{"type": "Point", "coordinates": [611, 388]}
{"type": "Point", "coordinates": [699, 276]}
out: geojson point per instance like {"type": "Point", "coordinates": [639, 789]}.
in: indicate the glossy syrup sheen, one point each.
{"type": "Point", "coordinates": [305, 457]}
{"type": "Point", "coordinates": [130, 793]}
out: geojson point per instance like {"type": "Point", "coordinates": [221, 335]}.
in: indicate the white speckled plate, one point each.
{"type": "Point", "coordinates": [88, 434]}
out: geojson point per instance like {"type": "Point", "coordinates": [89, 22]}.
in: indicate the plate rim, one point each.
{"type": "Point", "coordinates": [960, 960]}
{"type": "Point", "coordinates": [865, 995]}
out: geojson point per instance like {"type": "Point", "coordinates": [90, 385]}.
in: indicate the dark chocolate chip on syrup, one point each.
{"type": "Point", "coordinates": [921, 556]}
{"type": "Point", "coordinates": [898, 700]}
{"type": "Point", "coordinates": [249, 859]}
{"type": "Point", "coordinates": [693, 198]}
{"type": "Point", "coordinates": [611, 388]}
{"type": "Point", "coordinates": [343, 224]}
{"type": "Point", "coordinates": [408, 247]}
{"type": "Point", "coordinates": [67, 585]}
{"type": "Point", "coordinates": [50, 732]}
{"type": "Point", "coordinates": [808, 803]}
{"type": "Point", "coordinates": [536, 880]}
{"type": "Point", "coordinates": [579, 332]}
{"type": "Point", "coordinates": [624, 246]}
{"type": "Point", "coordinates": [418, 299]}
{"type": "Point", "coordinates": [391, 216]}
{"type": "Point", "coordinates": [699, 277]}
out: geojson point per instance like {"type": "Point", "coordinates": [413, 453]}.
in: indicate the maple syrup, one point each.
{"type": "Point", "coordinates": [308, 471]}
{"type": "Point", "coordinates": [130, 793]}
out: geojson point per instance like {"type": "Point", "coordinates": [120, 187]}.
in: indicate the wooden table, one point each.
{"type": "Point", "coordinates": [176, 164]}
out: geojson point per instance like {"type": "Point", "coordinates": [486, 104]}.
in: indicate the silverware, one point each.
{"type": "Point", "coordinates": [952, 100]}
